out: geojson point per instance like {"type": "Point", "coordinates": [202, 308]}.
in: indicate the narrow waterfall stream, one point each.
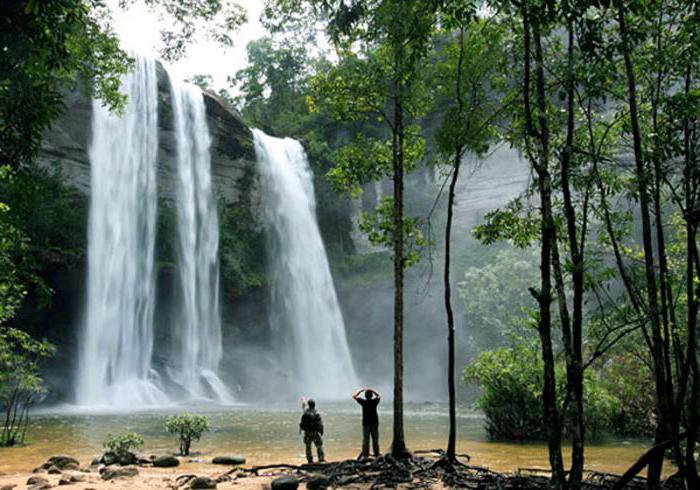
{"type": "Point", "coordinates": [197, 334]}
{"type": "Point", "coordinates": [117, 337]}
{"type": "Point", "coordinates": [304, 310]}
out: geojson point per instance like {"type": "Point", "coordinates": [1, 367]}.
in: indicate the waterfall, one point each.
{"type": "Point", "coordinates": [304, 306]}
{"type": "Point", "coordinates": [117, 340]}
{"type": "Point", "coordinates": [197, 334]}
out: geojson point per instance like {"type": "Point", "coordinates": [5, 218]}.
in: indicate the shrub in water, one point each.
{"type": "Point", "coordinates": [189, 428]}
{"type": "Point", "coordinates": [510, 382]}
{"type": "Point", "coordinates": [122, 445]}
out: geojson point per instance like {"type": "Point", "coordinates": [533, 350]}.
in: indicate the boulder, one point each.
{"type": "Point", "coordinates": [202, 482]}
{"type": "Point", "coordinates": [120, 472]}
{"type": "Point", "coordinates": [318, 482]}
{"type": "Point", "coordinates": [9, 486]}
{"type": "Point", "coordinates": [285, 483]}
{"type": "Point", "coordinates": [36, 480]}
{"type": "Point", "coordinates": [109, 458]}
{"type": "Point", "coordinates": [53, 470]}
{"type": "Point", "coordinates": [39, 486]}
{"type": "Point", "coordinates": [63, 462]}
{"type": "Point", "coordinates": [70, 479]}
{"type": "Point", "coordinates": [233, 459]}
{"type": "Point", "coordinates": [165, 462]}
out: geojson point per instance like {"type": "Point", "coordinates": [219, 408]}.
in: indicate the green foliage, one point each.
{"type": "Point", "coordinates": [496, 297]}
{"type": "Point", "coordinates": [49, 47]}
{"type": "Point", "coordinates": [511, 383]}
{"type": "Point", "coordinates": [511, 387]}
{"type": "Point", "coordinates": [217, 20]}
{"type": "Point", "coordinates": [624, 377]}
{"type": "Point", "coordinates": [20, 382]}
{"type": "Point", "coordinates": [516, 223]}
{"type": "Point", "coordinates": [379, 228]}
{"type": "Point", "coordinates": [188, 427]}
{"type": "Point", "coordinates": [123, 444]}
{"type": "Point", "coordinates": [469, 77]}
{"type": "Point", "coordinates": [241, 246]}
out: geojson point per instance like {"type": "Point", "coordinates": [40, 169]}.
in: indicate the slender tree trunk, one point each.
{"type": "Point", "coordinates": [662, 428]}
{"type": "Point", "coordinates": [398, 446]}
{"type": "Point", "coordinates": [456, 163]}
{"type": "Point", "coordinates": [451, 440]}
{"type": "Point", "coordinates": [544, 295]}
{"type": "Point", "coordinates": [689, 173]}
{"type": "Point", "coordinates": [574, 367]}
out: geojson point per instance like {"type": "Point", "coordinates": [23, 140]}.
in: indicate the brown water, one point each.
{"type": "Point", "coordinates": [267, 434]}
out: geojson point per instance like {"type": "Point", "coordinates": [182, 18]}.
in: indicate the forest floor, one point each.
{"type": "Point", "coordinates": [427, 470]}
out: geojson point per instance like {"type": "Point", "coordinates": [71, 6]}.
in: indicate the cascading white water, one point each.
{"type": "Point", "coordinates": [117, 340]}
{"type": "Point", "coordinates": [304, 303]}
{"type": "Point", "coordinates": [197, 351]}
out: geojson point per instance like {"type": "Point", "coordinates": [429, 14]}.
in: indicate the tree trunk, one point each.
{"type": "Point", "coordinates": [544, 295]}
{"type": "Point", "coordinates": [398, 446]}
{"type": "Point", "coordinates": [574, 361]}
{"type": "Point", "coordinates": [451, 440]}
{"type": "Point", "coordinates": [663, 407]}
{"type": "Point", "coordinates": [690, 170]}
{"type": "Point", "coordinates": [456, 163]}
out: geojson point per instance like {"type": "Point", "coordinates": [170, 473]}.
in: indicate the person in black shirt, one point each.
{"type": "Point", "coordinates": [370, 420]}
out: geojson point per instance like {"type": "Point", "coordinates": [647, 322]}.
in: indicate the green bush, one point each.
{"type": "Point", "coordinates": [123, 444]}
{"type": "Point", "coordinates": [511, 394]}
{"type": "Point", "coordinates": [511, 388]}
{"type": "Point", "coordinates": [20, 381]}
{"type": "Point", "coordinates": [189, 427]}
{"type": "Point", "coordinates": [625, 377]}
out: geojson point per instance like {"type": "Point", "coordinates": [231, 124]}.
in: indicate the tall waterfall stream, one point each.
{"type": "Point", "coordinates": [304, 310]}
{"type": "Point", "coordinates": [116, 346]}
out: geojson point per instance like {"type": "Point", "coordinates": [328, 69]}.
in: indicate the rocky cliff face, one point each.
{"type": "Point", "coordinates": [232, 151]}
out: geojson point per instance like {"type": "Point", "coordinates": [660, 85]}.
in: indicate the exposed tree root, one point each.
{"type": "Point", "coordinates": [425, 469]}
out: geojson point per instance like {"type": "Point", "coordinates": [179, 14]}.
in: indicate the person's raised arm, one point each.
{"type": "Point", "coordinates": [356, 395]}
{"type": "Point", "coordinates": [377, 395]}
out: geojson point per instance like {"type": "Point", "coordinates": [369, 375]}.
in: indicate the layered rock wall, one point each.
{"type": "Point", "coordinates": [233, 156]}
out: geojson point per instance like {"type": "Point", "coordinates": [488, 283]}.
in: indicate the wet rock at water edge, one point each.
{"type": "Point", "coordinates": [318, 482]}
{"type": "Point", "coordinates": [125, 471]}
{"type": "Point", "coordinates": [64, 462]}
{"type": "Point", "coordinates": [202, 482]}
{"type": "Point", "coordinates": [234, 459]}
{"type": "Point", "coordinates": [166, 462]}
{"type": "Point", "coordinates": [40, 486]}
{"type": "Point", "coordinates": [54, 471]}
{"type": "Point", "coordinates": [70, 479]}
{"type": "Point", "coordinates": [36, 480]}
{"type": "Point", "coordinates": [109, 458]}
{"type": "Point", "coordinates": [60, 463]}
{"type": "Point", "coordinates": [285, 483]}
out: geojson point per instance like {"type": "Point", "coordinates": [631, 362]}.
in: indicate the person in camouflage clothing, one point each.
{"type": "Point", "coordinates": [312, 426]}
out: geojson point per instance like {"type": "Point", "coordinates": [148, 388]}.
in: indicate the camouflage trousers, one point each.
{"type": "Point", "coordinates": [316, 439]}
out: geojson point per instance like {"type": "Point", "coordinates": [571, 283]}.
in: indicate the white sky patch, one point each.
{"type": "Point", "coordinates": [138, 29]}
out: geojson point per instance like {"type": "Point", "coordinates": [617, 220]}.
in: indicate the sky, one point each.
{"type": "Point", "coordinates": [138, 30]}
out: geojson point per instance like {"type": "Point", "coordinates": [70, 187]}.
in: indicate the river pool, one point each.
{"type": "Point", "coordinates": [267, 434]}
